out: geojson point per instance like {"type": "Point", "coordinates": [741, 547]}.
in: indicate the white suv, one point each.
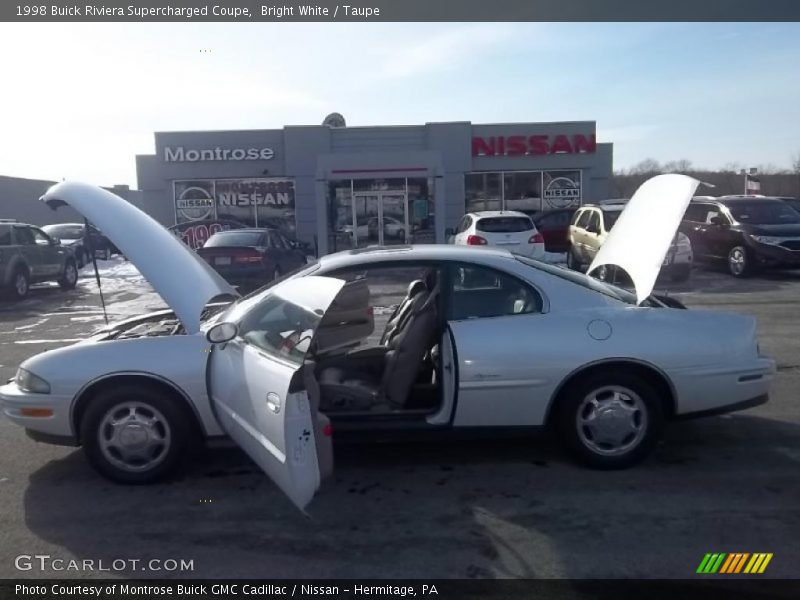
{"type": "Point", "coordinates": [503, 228]}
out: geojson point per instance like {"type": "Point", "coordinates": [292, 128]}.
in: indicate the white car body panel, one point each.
{"type": "Point", "coordinates": [159, 259]}
{"type": "Point", "coordinates": [642, 235]}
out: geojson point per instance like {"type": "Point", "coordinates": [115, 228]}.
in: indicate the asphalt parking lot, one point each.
{"type": "Point", "coordinates": [511, 508]}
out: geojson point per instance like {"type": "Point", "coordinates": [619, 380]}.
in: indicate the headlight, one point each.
{"type": "Point", "coordinates": [767, 239]}
{"type": "Point", "coordinates": [28, 382]}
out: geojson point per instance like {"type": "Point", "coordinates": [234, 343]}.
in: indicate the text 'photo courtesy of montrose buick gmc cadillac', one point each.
{"type": "Point", "coordinates": [402, 337]}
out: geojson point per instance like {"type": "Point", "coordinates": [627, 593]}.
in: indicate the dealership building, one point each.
{"type": "Point", "coordinates": [342, 187]}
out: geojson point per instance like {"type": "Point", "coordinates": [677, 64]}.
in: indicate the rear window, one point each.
{"type": "Point", "coordinates": [504, 224]}
{"type": "Point", "coordinates": [235, 238]}
{"type": "Point", "coordinates": [5, 235]}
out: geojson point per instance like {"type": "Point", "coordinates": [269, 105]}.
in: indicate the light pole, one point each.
{"type": "Point", "coordinates": [747, 173]}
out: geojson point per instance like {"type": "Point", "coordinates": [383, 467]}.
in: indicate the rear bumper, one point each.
{"type": "Point", "coordinates": [717, 389]}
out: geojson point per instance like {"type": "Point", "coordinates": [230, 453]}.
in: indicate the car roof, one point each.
{"type": "Point", "coordinates": [608, 207]}
{"type": "Point", "coordinates": [68, 224]}
{"type": "Point", "coordinates": [245, 230]}
{"type": "Point", "coordinates": [734, 200]}
{"type": "Point", "coordinates": [497, 213]}
{"type": "Point", "coordinates": [421, 252]}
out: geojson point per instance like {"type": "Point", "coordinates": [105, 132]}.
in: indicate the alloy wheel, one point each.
{"type": "Point", "coordinates": [21, 284]}
{"type": "Point", "coordinates": [737, 261]}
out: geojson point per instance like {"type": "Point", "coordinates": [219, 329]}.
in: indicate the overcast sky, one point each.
{"type": "Point", "coordinates": [80, 100]}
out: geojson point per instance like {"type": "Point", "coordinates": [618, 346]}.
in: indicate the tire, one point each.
{"type": "Point", "coordinates": [680, 273]}
{"type": "Point", "coordinates": [626, 428]}
{"type": "Point", "coordinates": [69, 279]}
{"type": "Point", "coordinates": [151, 459]}
{"type": "Point", "coordinates": [740, 262]}
{"type": "Point", "coordinates": [20, 284]}
{"type": "Point", "coordinates": [572, 262]}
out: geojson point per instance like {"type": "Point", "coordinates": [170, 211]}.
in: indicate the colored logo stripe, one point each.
{"type": "Point", "coordinates": [734, 563]}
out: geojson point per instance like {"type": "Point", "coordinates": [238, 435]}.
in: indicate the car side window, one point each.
{"type": "Point", "coordinates": [465, 224]}
{"type": "Point", "coordinates": [275, 241]}
{"type": "Point", "coordinates": [24, 236]}
{"type": "Point", "coordinates": [594, 222]}
{"type": "Point", "coordinates": [714, 214]}
{"type": "Point", "coordinates": [480, 292]}
{"type": "Point", "coordinates": [696, 213]}
{"type": "Point", "coordinates": [279, 328]}
{"type": "Point", "coordinates": [40, 237]}
{"type": "Point", "coordinates": [583, 219]}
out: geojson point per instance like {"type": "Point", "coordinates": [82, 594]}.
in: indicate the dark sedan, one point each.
{"type": "Point", "coordinates": [249, 258]}
{"type": "Point", "coordinates": [554, 226]}
{"type": "Point", "coordinates": [747, 232]}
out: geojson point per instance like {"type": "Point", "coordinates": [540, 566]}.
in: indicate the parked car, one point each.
{"type": "Point", "coordinates": [28, 255]}
{"type": "Point", "coordinates": [80, 241]}
{"type": "Point", "coordinates": [591, 226]}
{"type": "Point", "coordinates": [791, 201]}
{"type": "Point", "coordinates": [554, 227]}
{"type": "Point", "coordinates": [278, 372]}
{"type": "Point", "coordinates": [744, 232]}
{"type": "Point", "coordinates": [507, 229]}
{"type": "Point", "coordinates": [249, 258]}
{"type": "Point", "coordinates": [392, 228]}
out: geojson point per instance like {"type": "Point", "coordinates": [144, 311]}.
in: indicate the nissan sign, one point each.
{"type": "Point", "coordinates": [521, 145]}
{"type": "Point", "coordinates": [181, 154]}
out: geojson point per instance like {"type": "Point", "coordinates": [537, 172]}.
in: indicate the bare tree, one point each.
{"type": "Point", "coordinates": [647, 166]}
{"type": "Point", "coordinates": [678, 166]}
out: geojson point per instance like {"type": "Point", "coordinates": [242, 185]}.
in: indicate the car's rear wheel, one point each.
{"type": "Point", "coordinates": [69, 278]}
{"type": "Point", "coordinates": [610, 420]}
{"type": "Point", "coordinates": [572, 262]}
{"type": "Point", "coordinates": [135, 435]}
{"type": "Point", "coordinates": [740, 263]}
{"type": "Point", "coordinates": [20, 284]}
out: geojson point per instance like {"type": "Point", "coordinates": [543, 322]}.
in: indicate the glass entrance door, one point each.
{"type": "Point", "coordinates": [379, 218]}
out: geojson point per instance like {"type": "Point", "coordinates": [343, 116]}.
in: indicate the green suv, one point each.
{"type": "Point", "coordinates": [28, 255]}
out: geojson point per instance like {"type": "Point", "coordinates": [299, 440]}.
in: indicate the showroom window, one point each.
{"type": "Point", "coordinates": [525, 191]}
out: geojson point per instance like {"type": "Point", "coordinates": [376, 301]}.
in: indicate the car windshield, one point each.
{"type": "Point", "coordinates": [580, 279]}
{"type": "Point", "coordinates": [763, 213]}
{"type": "Point", "coordinates": [504, 224]}
{"type": "Point", "coordinates": [610, 217]}
{"type": "Point", "coordinates": [64, 232]}
{"type": "Point", "coordinates": [235, 238]}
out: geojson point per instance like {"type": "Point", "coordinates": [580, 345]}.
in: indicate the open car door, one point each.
{"type": "Point", "coordinates": [263, 390]}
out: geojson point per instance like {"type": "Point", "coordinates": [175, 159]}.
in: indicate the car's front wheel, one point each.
{"type": "Point", "coordinates": [610, 420]}
{"type": "Point", "coordinates": [20, 284]}
{"type": "Point", "coordinates": [135, 435]}
{"type": "Point", "coordinates": [739, 262]}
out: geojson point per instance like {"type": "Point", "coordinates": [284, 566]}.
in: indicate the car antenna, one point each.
{"type": "Point", "coordinates": [96, 271]}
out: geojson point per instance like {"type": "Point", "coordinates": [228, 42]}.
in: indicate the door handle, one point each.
{"type": "Point", "coordinates": [274, 402]}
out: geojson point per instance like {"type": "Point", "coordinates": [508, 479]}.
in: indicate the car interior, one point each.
{"type": "Point", "coordinates": [397, 372]}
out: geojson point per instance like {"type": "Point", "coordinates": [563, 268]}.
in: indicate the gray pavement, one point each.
{"type": "Point", "coordinates": [485, 508]}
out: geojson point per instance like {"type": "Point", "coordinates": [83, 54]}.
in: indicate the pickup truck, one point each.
{"type": "Point", "coordinates": [28, 255]}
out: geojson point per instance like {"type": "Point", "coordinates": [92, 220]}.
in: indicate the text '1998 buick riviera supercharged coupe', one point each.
{"type": "Point", "coordinates": [407, 337]}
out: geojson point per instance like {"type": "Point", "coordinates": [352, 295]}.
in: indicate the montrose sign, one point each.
{"type": "Point", "coordinates": [177, 154]}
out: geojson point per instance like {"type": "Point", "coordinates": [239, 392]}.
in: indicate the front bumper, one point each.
{"type": "Point", "coordinates": [771, 254]}
{"type": "Point", "coordinates": [13, 400]}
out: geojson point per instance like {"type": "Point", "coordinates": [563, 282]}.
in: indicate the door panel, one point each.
{"type": "Point", "coordinates": [251, 396]}
{"type": "Point", "coordinates": [250, 379]}
{"type": "Point", "coordinates": [30, 251]}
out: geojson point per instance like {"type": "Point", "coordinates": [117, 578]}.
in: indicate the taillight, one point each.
{"type": "Point", "coordinates": [247, 259]}
{"type": "Point", "coordinates": [476, 240]}
{"type": "Point", "coordinates": [249, 255]}
{"type": "Point", "coordinates": [536, 238]}
{"type": "Point", "coordinates": [327, 430]}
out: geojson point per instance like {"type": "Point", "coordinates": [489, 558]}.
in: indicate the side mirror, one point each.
{"type": "Point", "coordinates": [222, 333]}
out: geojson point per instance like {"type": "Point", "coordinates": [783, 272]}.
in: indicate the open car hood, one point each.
{"type": "Point", "coordinates": [641, 237]}
{"type": "Point", "coordinates": [184, 280]}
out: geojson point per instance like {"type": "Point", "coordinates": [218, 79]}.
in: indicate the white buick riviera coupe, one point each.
{"type": "Point", "coordinates": [386, 339]}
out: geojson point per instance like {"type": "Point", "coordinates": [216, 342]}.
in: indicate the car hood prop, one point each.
{"type": "Point", "coordinates": [184, 280]}
{"type": "Point", "coordinates": [90, 249]}
{"type": "Point", "coordinates": [642, 235]}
